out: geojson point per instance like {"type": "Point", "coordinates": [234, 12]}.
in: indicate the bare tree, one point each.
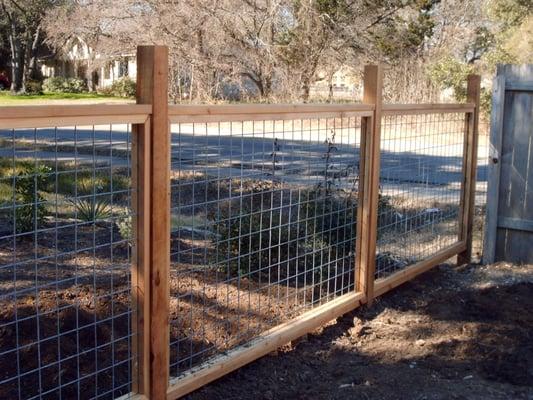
{"type": "Point", "coordinates": [272, 49]}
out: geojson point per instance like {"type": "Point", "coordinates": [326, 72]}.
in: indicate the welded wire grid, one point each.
{"type": "Point", "coordinates": [263, 227]}
{"type": "Point", "coordinates": [65, 252]}
{"type": "Point", "coordinates": [420, 188]}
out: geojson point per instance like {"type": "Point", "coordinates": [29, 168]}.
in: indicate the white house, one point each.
{"type": "Point", "coordinates": [345, 83]}
{"type": "Point", "coordinates": [80, 61]}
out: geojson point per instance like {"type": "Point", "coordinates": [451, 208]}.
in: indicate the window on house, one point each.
{"type": "Point", "coordinates": [123, 68]}
{"type": "Point", "coordinates": [107, 72]}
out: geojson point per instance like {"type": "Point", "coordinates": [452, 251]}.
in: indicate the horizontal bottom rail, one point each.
{"type": "Point", "coordinates": [384, 285]}
{"type": "Point", "coordinates": [264, 344]}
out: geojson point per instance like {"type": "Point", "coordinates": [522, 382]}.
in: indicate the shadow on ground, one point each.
{"type": "Point", "coordinates": [451, 334]}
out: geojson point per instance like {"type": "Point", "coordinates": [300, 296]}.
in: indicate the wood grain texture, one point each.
{"type": "Point", "coordinates": [152, 79]}
{"type": "Point", "coordinates": [184, 118]}
{"type": "Point", "coordinates": [510, 198]}
{"type": "Point", "coordinates": [140, 274]}
{"type": "Point", "coordinates": [373, 88]}
{"type": "Point", "coordinates": [74, 110]}
{"type": "Point", "coordinates": [89, 121]}
{"type": "Point", "coordinates": [201, 110]}
{"type": "Point", "coordinates": [431, 108]}
{"type": "Point", "coordinates": [468, 196]}
{"type": "Point", "coordinates": [493, 180]}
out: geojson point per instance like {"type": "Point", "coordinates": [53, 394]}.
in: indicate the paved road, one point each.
{"type": "Point", "coordinates": [291, 159]}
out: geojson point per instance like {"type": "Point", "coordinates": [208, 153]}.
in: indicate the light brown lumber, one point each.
{"type": "Point", "coordinates": [430, 108]}
{"type": "Point", "coordinates": [373, 88]}
{"type": "Point", "coordinates": [73, 110]}
{"type": "Point", "coordinates": [152, 87]}
{"type": "Point", "coordinates": [470, 161]}
{"type": "Point", "coordinates": [265, 109]}
{"type": "Point", "coordinates": [52, 122]}
{"type": "Point", "coordinates": [140, 274]}
{"type": "Point", "coordinates": [189, 118]}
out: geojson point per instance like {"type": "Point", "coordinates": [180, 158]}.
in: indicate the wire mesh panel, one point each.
{"type": "Point", "coordinates": [65, 252]}
{"type": "Point", "coordinates": [263, 227]}
{"type": "Point", "coordinates": [420, 188]}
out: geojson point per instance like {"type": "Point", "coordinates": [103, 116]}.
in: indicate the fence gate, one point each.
{"type": "Point", "coordinates": [509, 228]}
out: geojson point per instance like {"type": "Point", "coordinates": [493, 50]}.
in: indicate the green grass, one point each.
{"type": "Point", "coordinates": [9, 99]}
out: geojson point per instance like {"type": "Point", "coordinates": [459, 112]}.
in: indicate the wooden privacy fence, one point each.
{"type": "Point", "coordinates": [150, 249]}
{"type": "Point", "coordinates": [509, 227]}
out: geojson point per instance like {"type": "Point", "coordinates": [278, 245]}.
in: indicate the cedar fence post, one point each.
{"type": "Point", "coordinates": [151, 277]}
{"type": "Point", "coordinates": [369, 192]}
{"type": "Point", "coordinates": [470, 168]}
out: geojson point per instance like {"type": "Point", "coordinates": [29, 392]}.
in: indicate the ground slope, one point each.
{"type": "Point", "coordinates": [454, 333]}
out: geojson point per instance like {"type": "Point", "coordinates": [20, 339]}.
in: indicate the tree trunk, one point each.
{"type": "Point", "coordinates": [32, 73]}
{"type": "Point", "coordinates": [16, 56]}
{"type": "Point", "coordinates": [306, 86]}
{"type": "Point", "coordinates": [267, 86]}
{"type": "Point", "coordinates": [26, 69]}
{"type": "Point", "coordinates": [89, 75]}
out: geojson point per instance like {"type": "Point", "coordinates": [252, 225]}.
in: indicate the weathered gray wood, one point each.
{"type": "Point", "coordinates": [496, 128]}
{"type": "Point", "coordinates": [508, 234]}
{"type": "Point", "coordinates": [519, 86]}
{"type": "Point", "coordinates": [516, 224]}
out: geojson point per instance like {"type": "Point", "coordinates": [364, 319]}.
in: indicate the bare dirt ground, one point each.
{"type": "Point", "coordinates": [453, 333]}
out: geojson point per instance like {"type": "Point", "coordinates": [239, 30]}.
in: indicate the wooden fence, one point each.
{"type": "Point", "coordinates": [509, 225]}
{"type": "Point", "coordinates": [151, 163]}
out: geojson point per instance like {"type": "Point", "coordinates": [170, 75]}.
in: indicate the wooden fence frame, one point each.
{"type": "Point", "coordinates": [151, 118]}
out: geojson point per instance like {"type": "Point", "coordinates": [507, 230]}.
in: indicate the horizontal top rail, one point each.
{"type": "Point", "coordinates": [414, 109]}
{"type": "Point", "coordinates": [13, 117]}
{"type": "Point", "coordinates": [250, 112]}
{"type": "Point", "coordinates": [264, 108]}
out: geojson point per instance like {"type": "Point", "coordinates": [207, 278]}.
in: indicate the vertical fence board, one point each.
{"type": "Point", "coordinates": [469, 189]}
{"type": "Point", "coordinates": [140, 275]}
{"type": "Point", "coordinates": [152, 88]}
{"type": "Point", "coordinates": [509, 200]}
{"type": "Point", "coordinates": [362, 202]}
{"type": "Point", "coordinates": [493, 180]}
{"type": "Point", "coordinates": [373, 87]}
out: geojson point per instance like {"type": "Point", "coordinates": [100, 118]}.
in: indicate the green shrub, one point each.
{"type": "Point", "coordinates": [287, 231]}
{"type": "Point", "coordinates": [6, 194]}
{"type": "Point", "coordinates": [270, 233]}
{"type": "Point", "coordinates": [125, 227]}
{"type": "Point", "coordinates": [123, 87]}
{"type": "Point", "coordinates": [449, 73]}
{"type": "Point", "coordinates": [59, 84]}
{"type": "Point", "coordinates": [251, 229]}
{"type": "Point", "coordinates": [31, 212]}
{"type": "Point", "coordinates": [34, 87]}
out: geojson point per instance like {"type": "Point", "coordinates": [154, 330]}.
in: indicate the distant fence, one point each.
{"type": "Point", "coordinates": [148, 249]}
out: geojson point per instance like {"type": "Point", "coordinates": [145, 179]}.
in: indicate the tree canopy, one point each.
{"type": "Point", "coordinates": [277, 49]}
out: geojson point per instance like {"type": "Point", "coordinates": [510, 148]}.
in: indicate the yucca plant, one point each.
{"type": "Point", "coordinates": [89, 210]}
